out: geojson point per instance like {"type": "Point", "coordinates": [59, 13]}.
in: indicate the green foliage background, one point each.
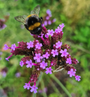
{"type": "Point", "coordinates": [75, 14]}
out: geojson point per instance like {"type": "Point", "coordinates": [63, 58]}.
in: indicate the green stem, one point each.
{"type": "Point", "coordinates": [53, 85]}
{"type": "Point", "coordinates": [61, 85]}
{"type": "Point", "coordinates": [42, 86]}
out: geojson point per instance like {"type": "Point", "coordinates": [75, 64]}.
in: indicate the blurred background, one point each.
{"type": "Point", "coordinates": [75, 14]}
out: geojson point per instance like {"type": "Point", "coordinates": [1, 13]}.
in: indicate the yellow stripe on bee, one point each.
{"type": "Point", "coordinates": [31, 15]}
{"type": "Point", "coordinates": [32, 27]}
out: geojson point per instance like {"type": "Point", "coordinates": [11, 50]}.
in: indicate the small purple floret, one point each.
{"type": "Point", "coordinates": [38, 57]}
{"type": "Point", "coordinates": [43, 65]}
{"type": "Point", "coordinates": [13, 46]}
{"type": "Point", "coordinates": [38, 46]}
{"type": "Point", "coordinates": [46, 55]}
{"type": "Point", "coordinates": [7, 59]}
{"type": "Point", "coordinates": [71, 72]}
{"type": "Point", "coordinates": [58, 44]}
{"type": "Point", "coordinates": [34, 89]}
{"type": "Point", "coordinates": [27, 86]}
{"type": "Point", "coordinates": [5, 47]}
{"type": "Point", "coordinates": [48, 70]}
{"type": "Point", "coordinates": [54, 52]}
{"type": "Point", "coordinates": [21, 63]}
{"type": "Point", "coordinates": [50, 32]}
{"type": "Point", "coordinates": [29, 64]}
{"type": "Point", "coordinates": [30, 44]}
{"type": "Point", "coordinates": [64, 53]}
{"type": "Point", "coordinates": [69, 61]}
{"type": "Point", "coordinates": [77, 78]}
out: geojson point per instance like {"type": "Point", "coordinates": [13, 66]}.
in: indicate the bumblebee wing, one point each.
{"type": "Point", "coordinates": [36, 10]}
{"type": "Point", "coordinates": [20, 19]}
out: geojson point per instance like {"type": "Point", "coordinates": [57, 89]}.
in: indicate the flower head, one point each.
{"type": "Point", "coordinates": [13, 46]}
{"type": "Point", "coordinates": [21, 63]}
{"type": "Point", "coordinates": [62, 25]}
{"type": "Point", "coordinates": [34, 89]}
{"type": "Point", "coordinates": [64, 53]}
{"type": "Point", "coordinates": [43, 65]}
{"type": "Point", "coordinates": [38, 57]}
{"type": "Point", "coordinates": [48, 70]}
{"type": "Point", "coordinates": [71, 72]}
{"type": "Point", "coordinates": [77, 78]}
{"type": "Point", "coordinates": [30, 44]}
{"type": "Point", "coordinates": [69, 60]}
{"type": "Point", "coordinates": [48, 12]}
{"type": "Point", "coordinates": [38, 46]}
{"type": "Point", "coordinates": [54, 52]}
{"type": "Point", "coordinates": [27, 86]}
{"type": "Point", "coordinates": [29, 63]}
{"type": "Point", "coordinates": [58, 44]}
{"type": "Point", "coordinates": [50, 32]}
{"type": "Point", "coordinates": [46, 55]}
{"type": "Point", "coordinates": [45, 52]}
{"type": "Point", "coordinates": [5, 47]}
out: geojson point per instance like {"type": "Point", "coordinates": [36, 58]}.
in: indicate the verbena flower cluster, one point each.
{"type": "Point", "coordinates": [46, 53]}
{"type": "Point", "coordinates": [47, 19]}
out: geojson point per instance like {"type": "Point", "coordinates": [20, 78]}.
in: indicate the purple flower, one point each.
{"type": "Point", "coordinates": [54, 20]}
{"type": "Point", "coordinates": [43, 64]}
{"type": "Point", "coordinates": [7, 59]}
{"type": "Point", "coordinates": [47, 18]}
{"type": "Point", "coordinates": [18, 74]}
{"type": "Point", "coordinates": [69, 60]}
{"type": "Point", "coordinates": [77, 78]}
{"type": "Point", "coordinates": [5, 47]}
{"type": "Point", "coordinates": [62, 25]}
{"type": "Point", "coordinates": [49, 22]}
{"type": "Point", "coordinates": [58, 30]}
{"type": "Point", "coordinates": [71, 72]}
{"type": "Point", "coordinates": [30, 44]}
{"type": "Point", "coordinates": [21, 63]}
{"type": "Point", "coordinates": [48, 12]}
{"type": "Point", "coordinates": [58, 44]}
{"type": "Point", "coordinates": [54, 52]}
{"type": "Point", "coordinates": [27, 85]}
{"type": "Point", "coordinates": [38, 57]}
{"type": "Point", "coordinates": [34, 89]}
{"type": "Point", "coordinates": [50, 32]}
{"type": "Point", "coordinates": [64, 53]}
{"type": "Point", "coordinates": [48, 70]}
{"type": "Point", "coordinates": [29, 64]}
{"type": "Point", "coordinates": [45, 23]}
{"type": "Point", "coordinates": [46, 55]}
{"type": "Point", "coordinates": [38, 45]}
{"type": "Point", "coordinates": [13, 46]}
{"type": "Point", "coordinates": [46, 36]}
{"type": "Point", "coordinates": [3, 73]}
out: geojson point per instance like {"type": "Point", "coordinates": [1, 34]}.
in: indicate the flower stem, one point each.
{"type": "Point", "coordinates": [61, 85]}
{"type": "Point", "coordinates": [42, 86]}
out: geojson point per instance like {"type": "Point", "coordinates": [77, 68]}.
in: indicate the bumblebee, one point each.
{"type": "Point", "coordinates": [32, 22]}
